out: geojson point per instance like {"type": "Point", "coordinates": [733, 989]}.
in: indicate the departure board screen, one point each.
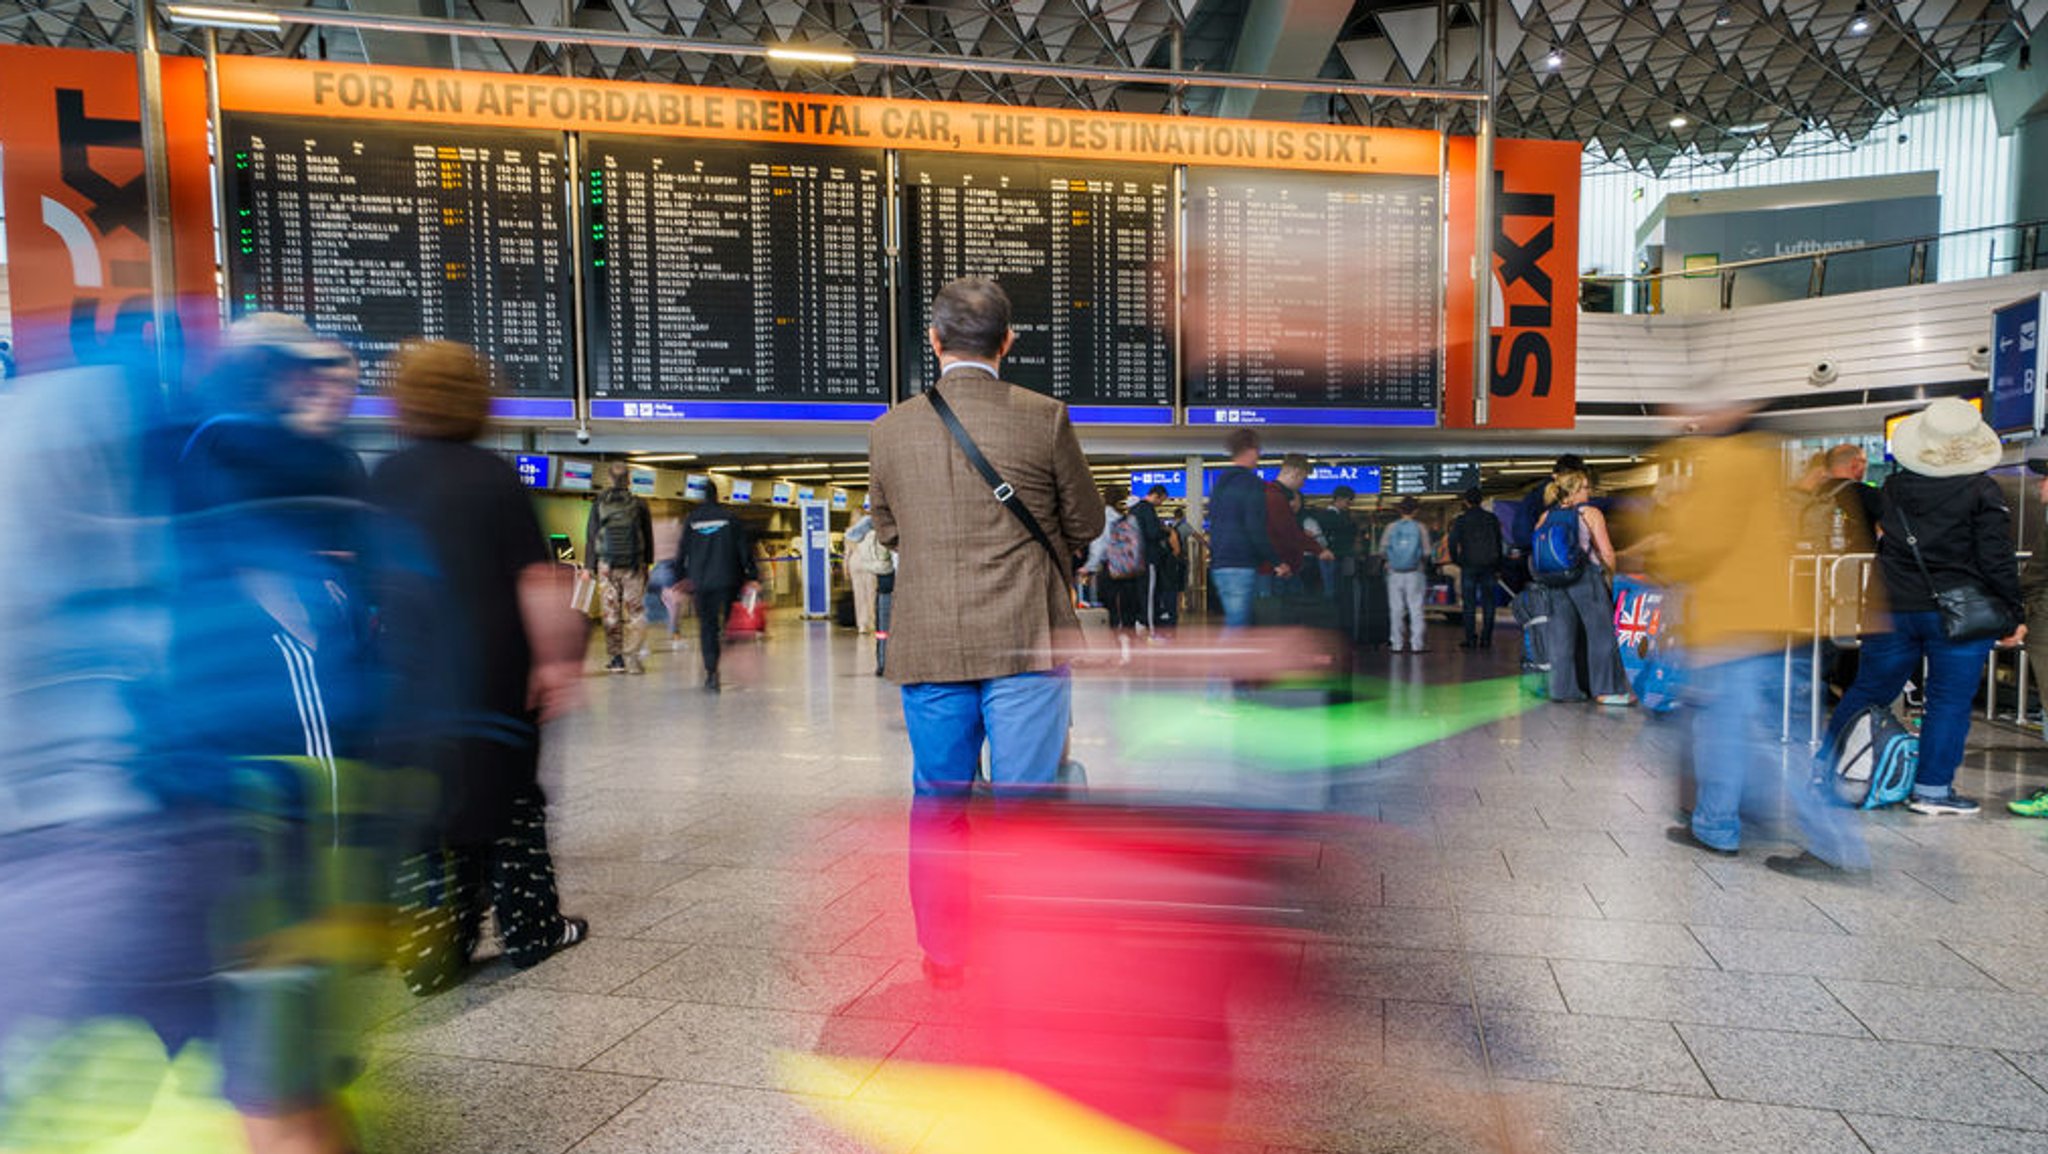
{"type": "Point", "coordinates": [735, 274]}
{"type": "Point", "coordinates": [375, 234]}
{"type": "Point", "coordinates": [1085, 253]}
{"type": "Point", "coordinates": [1312, 299]}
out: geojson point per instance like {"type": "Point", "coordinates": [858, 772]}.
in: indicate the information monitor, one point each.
{"type": "Point", "coordinates": [1085, 253]}
{"type": "Point", "coordinates": [377, 233]}
{"type": "Point", "coordinates": [735, 281]}
{"type": "Point", "coordinates": [1312, 299]}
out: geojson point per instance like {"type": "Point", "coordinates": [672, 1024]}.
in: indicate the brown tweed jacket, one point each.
{"type": "Point", "coordinates": [975, 596]}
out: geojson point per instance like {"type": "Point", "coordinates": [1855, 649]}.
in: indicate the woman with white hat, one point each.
{"type": "Point", "coordinates": [1945, 527]}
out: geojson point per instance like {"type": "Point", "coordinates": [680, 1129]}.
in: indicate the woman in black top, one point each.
{"type": "Point", "coordinates": [1942, 499]}
{"type": "Point", "coordinates": [491, 650]}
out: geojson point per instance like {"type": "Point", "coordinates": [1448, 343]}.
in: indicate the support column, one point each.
{"type": "Point", "coordinates": [163, 270]}
{"type": "Point", "coordinates": [1482, 223]}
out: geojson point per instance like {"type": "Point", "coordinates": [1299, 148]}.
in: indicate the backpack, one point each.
{"type": "Point", "coordinates": [618, 527]}
{"type": "Point", "coordinates": [1126, 556]}
{"type": "Point", "coordinates": [1479, 539]}
{"type": "Point", "coordinates": [871, 556]}
{"type": "Point", "coordinates": [1556, 555]}
{"type": "Point", "coordinates": [1404, 547]}
{"type": "Point", "coordinates": [1820, 516]}
{"type": "Point", "coordinates": [1872, 762]}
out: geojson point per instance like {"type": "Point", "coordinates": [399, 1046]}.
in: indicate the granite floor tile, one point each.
{"type": "Point", "coordinates": [597, 966]}
{"type": "Point", "coordinates": [776, 980]}
{"type": "Point", "coordinates": [689, 1118]}
{"type": "Point", "coordinates": [740, 1046]}
{"type": "Point", "coordinates": [1715, 997]}
{"type": "Point", "coordinates": [1890, 1135]}
{"type": "Point", "coordinates": [1428, 1036]}
{"type": "Point", "coordinates": [424, 1104]}
{"type": "Point", "coordinates": [1507, 982]}
{"type": "Point", "coordinates": [1938, 1083]}
{"type": "Point", "coordinates": [1622, 1053]}
{"type": "Point", "coordinates": [1565, 1120]}
{"type": "Point", "coordinates": [1833, 955]}
{"type": "Point", "coordinates": [1642, 943]}
{"type": "Point", "coordinates": [1407, 975]}
{"type": "Point", "coordinates": [1987, 1019]}
{"type": "Point", "coordinates": [541, 1027]}
{"type": "Point", "coordinates": [2014, 965]}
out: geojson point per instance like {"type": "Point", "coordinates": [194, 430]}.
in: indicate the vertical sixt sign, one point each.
{"type": "Point", "coordinates": [1532, 358]}
{"type": "Point", "coordinates": [77, 205]}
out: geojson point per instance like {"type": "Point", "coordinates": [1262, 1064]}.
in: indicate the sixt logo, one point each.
{"type": "Point", "coordinates": [1523, 291]}
{"type": "Point", "coordinates": [106, 246]}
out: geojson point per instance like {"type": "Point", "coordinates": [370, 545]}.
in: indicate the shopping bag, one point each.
{"type": "Point", "coordinates": [583, 597]}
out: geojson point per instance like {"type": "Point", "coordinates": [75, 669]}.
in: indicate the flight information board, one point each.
{"type": "Point", "coordinates": [377, 233]}
{"type": "Point", "coordinates": [1085, 253]}
{"type": "Point", "coordinates": [735, 281]}
{"type": "Point", "coordinates": [1312, 299]}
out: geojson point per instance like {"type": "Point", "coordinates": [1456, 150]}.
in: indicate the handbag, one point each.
{"type": "Point", "coordinates": [1968, 613]}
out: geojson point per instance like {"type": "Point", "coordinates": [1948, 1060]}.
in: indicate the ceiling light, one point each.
{"type": "Point", "coordinates": [1724, 16]}
{"type": "Point", "coordinates": [1555, 60]}
{"type": "Point", "coordinates": [224, 16]}
{"type": "Point", "coordinates": [1750, 129]}
{"type": "Point", "coordinates": [1980, 68]}
{"type": "Point", "coordinates": [1860, 24]}
{"type": "Point", "coordinates": [650, 458]}
{"type": "Point", "coordinates": [812, 56]}
{"type": "Point", "coordinates": [1679, 122]}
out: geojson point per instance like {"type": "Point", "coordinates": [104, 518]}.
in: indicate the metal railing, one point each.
{"type": "Point", "coordinates": [2028, 255]}
{"type": "Point", "coordinates": [1838, 610]}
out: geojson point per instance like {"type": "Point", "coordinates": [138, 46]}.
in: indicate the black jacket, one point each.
{"type": "Point", "coordinates": [716, 551]}
{"type": "Point", "coordinates": [1471, 535]}
{"type": "Point", "coordinates": [643, 532]}
{"type": "Point", "coordinates": [1152, 531]}
{"type": "Point", "coordinates": [1964, 530]}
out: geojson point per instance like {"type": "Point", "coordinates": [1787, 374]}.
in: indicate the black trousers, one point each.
{"type": "Point", "coordinates": [442, 895]}
{"type": "Point", "coordinates": [1125, 597]}
{"type": "Point", "coordinates": [713, 607]}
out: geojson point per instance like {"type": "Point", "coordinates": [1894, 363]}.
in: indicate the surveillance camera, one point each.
{"type": "Point", "coordinates": [1822, 374]}
{"type": "Point", "coordinates": [583, 436]}
{"type": "Point", "coordinates": [1979, 358]}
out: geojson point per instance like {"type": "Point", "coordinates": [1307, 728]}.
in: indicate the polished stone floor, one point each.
{"type": "Point", "coordinates": [1516, 958]}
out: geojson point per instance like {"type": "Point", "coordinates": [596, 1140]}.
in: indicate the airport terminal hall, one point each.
{"type": "Point", "coordinates": [1023, 577]}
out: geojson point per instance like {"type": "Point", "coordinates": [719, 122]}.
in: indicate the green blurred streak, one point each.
{"type": "Point", "coordinates": [1297, 740]}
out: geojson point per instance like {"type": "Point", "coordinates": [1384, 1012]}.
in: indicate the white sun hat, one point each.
{"type": "Point", "coordinates": [1948, 438]}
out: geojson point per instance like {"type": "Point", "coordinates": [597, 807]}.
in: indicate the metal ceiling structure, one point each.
{"type": "Point", "coordinates": [1644, 82]}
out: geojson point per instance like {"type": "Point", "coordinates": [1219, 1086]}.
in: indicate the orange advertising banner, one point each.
{"type": "Point", "coordinates": [1535, 305]}
{"type": "Point", "coordinates": [78, 271]}
{"type": "Point", "coordinates": [433, 96]}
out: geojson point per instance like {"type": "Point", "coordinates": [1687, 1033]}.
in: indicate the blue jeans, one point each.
{"type": "Point", "coordinates": [1737, 758]}
{"type": "Point", "coordinates": [1235, 588]}
{"type": "Point", "coordinates": [1476, 602]}
{"type": "Point", "coordinates": [1023, 720]}
{"type": "Point", "coordinates": [1953, 670]}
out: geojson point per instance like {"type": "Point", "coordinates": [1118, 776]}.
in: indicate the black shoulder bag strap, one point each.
{"type": "Point", "coordinates": [1000, 488]}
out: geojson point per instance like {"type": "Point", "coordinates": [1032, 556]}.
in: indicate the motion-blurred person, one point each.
{"type": "Point", "coordinates": [1813, 475]}
{"type": "Point", "coordinates": [508, 656]}
{"type": "Point", "coordinates": [1475, 543]}
{"type": "Point", "coordinates": [618, 546]}
{"type": "Point", "coordinates": [983, 615]}
{"type": "Point", "coordinates": [1292, 544]}
{"type": "Point", "coordinates": [1729, 545]}
{"type": "Point", "coordinates": [1239, 546]}
{"type": "Point", "coordinates": [1582, 610]}
{"type": "Point", "coordinates": [1945, 528]}
{"type": "Point", "coordinates": [111, 882]}
{"type": "Point", "coordinates": [861, 573]}
{"type": "Point", "coordinates": [1172, 567]}
{"type": "Point", "coordinates": [1405, 546]}
{"type": "Point", "coordinates": [2034, 590]}
{"type": "Point", "coordinates": [716, 567]}
{"type": "Point", "coordinates": [274, 715]}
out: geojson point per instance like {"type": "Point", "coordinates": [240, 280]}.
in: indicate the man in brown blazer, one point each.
{"type": "Point", "coordinates": [983, 618]}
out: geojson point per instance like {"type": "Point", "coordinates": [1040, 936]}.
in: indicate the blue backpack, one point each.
{"type": "Point", "coordinates": [1874, 760]}
{"type": "Point", "coordinates": [1556, 556]}
{"type": "Point", "coordinates": [1404, 547]}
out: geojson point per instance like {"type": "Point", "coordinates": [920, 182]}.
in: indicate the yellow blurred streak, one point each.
{"type": "Point", "coordinates": [958, 1110]}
